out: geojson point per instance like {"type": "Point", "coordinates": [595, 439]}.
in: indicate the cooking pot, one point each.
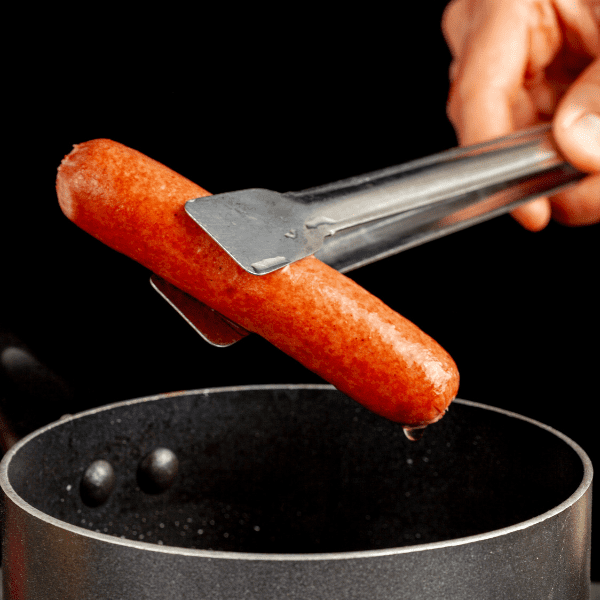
{"type": "Point", "coordinates": [296, 491]}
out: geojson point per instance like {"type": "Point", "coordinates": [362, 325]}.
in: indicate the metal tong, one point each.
{"type": "Point", "coordinates": [360, 220]}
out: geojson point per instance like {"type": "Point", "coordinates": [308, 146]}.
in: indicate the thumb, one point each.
{"type": "Point", "coordinates": [576, 125]}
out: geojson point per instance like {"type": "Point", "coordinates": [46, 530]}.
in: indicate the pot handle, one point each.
{"type": "Point", "coordinates": [31, 394]}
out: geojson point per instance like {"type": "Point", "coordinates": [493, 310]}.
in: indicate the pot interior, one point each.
{"type": "Point", "coordinates": [296, 469]}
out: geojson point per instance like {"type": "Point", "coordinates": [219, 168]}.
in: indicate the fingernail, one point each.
{"type": "Point", "coordinates": [586, 133]}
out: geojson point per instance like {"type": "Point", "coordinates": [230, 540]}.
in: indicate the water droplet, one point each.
{"type": "Point", "coordinates": [315, 222]}
{"type": "Point", "coordinates": [414, 434]}
{"type": "Point", "coordinates": [268, 263]}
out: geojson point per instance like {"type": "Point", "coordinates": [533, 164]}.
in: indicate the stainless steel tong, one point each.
{"type": "Point", "coordinates": [357, 221]}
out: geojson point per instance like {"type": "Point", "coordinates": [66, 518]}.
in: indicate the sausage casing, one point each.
{"type": "Point", "coordinates": [310, 311]}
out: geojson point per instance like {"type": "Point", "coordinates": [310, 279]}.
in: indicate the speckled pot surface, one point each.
{"type": "Point", "coordinates": [293, 492]}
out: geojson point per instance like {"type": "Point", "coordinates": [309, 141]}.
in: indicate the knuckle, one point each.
{"type": "Point", "coordinates": [456, 95]}
{"type": "Point", "coordinates": [449, 17]}
{"type": "Point", "coordinates": [452, 110]}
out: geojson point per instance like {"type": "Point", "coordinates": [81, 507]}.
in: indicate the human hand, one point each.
{"type": "Point", "coordinates": [521, 62]}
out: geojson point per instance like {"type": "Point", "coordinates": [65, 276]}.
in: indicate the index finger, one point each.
{"type": "Point", "coordinates": [487, 97]}
{"type": "Point", "coordinates": [490, 72]}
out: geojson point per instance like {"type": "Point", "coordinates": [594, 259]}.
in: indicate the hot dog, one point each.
{"type": "Point", "coordinates": [318, 316]}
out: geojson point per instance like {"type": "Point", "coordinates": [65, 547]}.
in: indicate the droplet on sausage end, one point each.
{"type": "Point", "coordinates": [414, 434]}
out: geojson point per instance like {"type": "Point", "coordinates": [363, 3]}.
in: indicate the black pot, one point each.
{"type": "Point", "coordinates": [293, 492]}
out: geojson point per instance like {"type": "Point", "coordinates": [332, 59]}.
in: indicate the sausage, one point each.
{"type": "Point", "coordinates": [310, 311]}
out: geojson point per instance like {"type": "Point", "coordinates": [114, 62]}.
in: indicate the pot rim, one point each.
{"type": "Point", "coordinates": [105, 538]}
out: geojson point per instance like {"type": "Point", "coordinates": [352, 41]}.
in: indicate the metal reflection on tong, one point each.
{"type": "Point", "coordinates": [211, 325]}
{"type": "Point", "coordinates": [354, 222]}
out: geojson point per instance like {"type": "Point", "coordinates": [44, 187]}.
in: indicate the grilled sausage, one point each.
{"type": "Point", "coordinates": [318, 316]}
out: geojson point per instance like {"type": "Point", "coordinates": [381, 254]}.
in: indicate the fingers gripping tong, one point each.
{"type": "Point", "coordinates": [357, 221]}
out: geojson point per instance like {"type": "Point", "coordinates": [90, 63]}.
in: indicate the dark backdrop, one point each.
{"type": "Point", "coordinates": [285, 102]}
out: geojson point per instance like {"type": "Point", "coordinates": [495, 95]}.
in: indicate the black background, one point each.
{"type": "Point", "coordinates": [283, 100]}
